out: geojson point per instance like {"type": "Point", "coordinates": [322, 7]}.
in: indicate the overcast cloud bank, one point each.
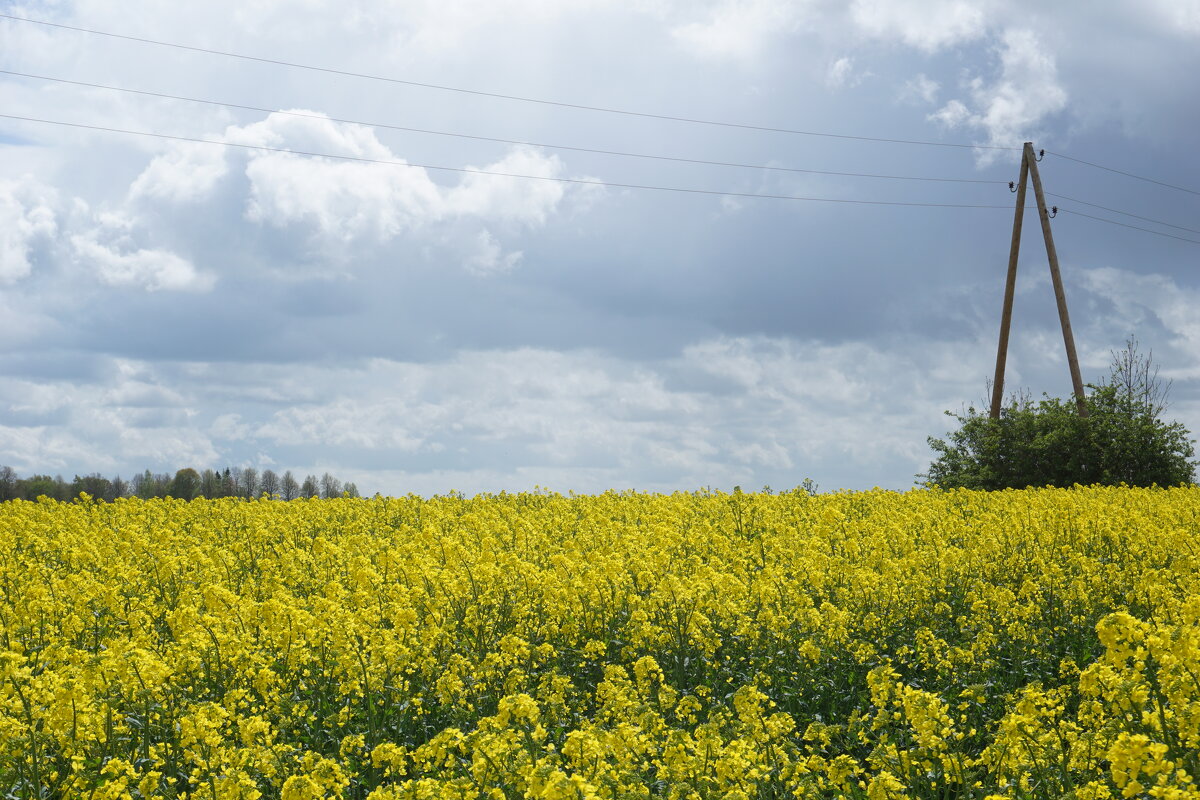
{"type": "Point", "coordinates": [167, 303]}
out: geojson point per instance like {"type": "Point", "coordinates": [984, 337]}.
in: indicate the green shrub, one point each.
{"type": "Point", "coordinates": [1123, 439]}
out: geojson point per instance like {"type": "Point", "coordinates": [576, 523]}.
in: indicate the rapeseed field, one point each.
{"type": "Point", "coordinates": [930, 644]}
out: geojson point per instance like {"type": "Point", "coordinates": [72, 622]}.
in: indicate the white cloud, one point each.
{"type": "Point", "coordinates": [425, 29]}
{"type": "Point", "coordinates": [921, 88]}
{"type": "Point", "coordinates": [187, 172]}
{"type": "Point", "coordinates": [1181, 17]}
{"type": "Point", "coordinates": [841, 74]}
{"type": "Point", "coordinates": [489, 258]}
{"type": "Point", "coordinates": [129, 416]}
{"type": "Point", "coordinates": [142, 394]}
{"type": "Point", "coordinates": [44, 449]}
{"type": "Point", "coordinates": [548, 407]}
{"type": "Point", "coordinates": [746, 410]}
{"type": "Point", "coordinates": [230, 427]}
{"type": "Point", "coordinates": [953, 114]}
{"type": "Point", "coordinates": [340, 200]}
{"type": "Point", "coordinates": [173, 447]}
{"type": "Point", "coordinates": [302, 129]}
{"type": "Point", "coordinates": [352, 422]}
{"type": "Point", "coordinates": [928, 25]}
{"type": "Point", "coordinates": [343, 202]}
{"type": "Point", "coordinates": [523, 202]}
{"type": "Point", "coordinates": [740, 29]}
{"type": "Point", "coordinates": [1011, 109]}
{"type": "Point", "coordinates": [26, 216]}
{"type": "Point", "coordinates": [724, 411]}
{"type": "Point", "coordinates": [117, 261]}
{"type": "Point", "coordinates": [637, 276]}
{"type": "Point", "coordinates": [1138, 297]}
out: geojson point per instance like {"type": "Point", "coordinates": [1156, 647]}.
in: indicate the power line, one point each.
{"type": "Point", "coordinates": [473, 171]}
{"type": "Point", "coordinates": [494, 139]}
{"type": "Point", "coordinates": [1122, 213]}
{"type": "Point", "coordinates": [570, 147]}
{"type": "Point", "coordinates": [1125, 225]}
{"type": "Point", "coordinates": [578, 181]}
{"type": "Point", "coordinates": [626, 154]}
{"type": "Point", "coordinates": [1126, 174]}
{"type": "Point", "coordinates": [497, 95]}
{"type": "Point", "coordinates": [579, 106]}
{"type": "Point", "coordinates": [590, 182]}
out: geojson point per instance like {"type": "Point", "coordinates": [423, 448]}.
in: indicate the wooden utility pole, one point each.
{"type": "Point", "coordinates": [1029, 169]}
{"type": "Point", "coordinates": [1009, 288]}
{"type": "Point", "coordinates": [1060, 296]}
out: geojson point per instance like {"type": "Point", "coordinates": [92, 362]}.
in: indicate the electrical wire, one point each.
{"type": "Point", "coordinates": [497, 95]}
{"type": "Point", "coordinates": [386, 126]}
{"type": "Point", "coordinates": [582, 181]}
{"type": "Point", "coordinates": [473, 171]}
{"type": "Point", "coordinates": [1123, 172]}
{"type": "Point", "coordinates": [1123, 213]}
{"type": "Point", "coordinates": [578, 106]}
{"type": "Point", "coordinates": [1125, 225]}
{"type": "Point", "coordinates": [407, 129]}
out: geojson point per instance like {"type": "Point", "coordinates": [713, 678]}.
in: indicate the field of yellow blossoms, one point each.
{"type": "Point", "coordinates": [931, 644]}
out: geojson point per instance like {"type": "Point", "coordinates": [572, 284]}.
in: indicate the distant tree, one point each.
{"type": "Point", "coordinates": [1134, 378]}
{"type": "Point", "coordinates": [37, 486]}
{"type": "Point", "coordinates": [143, 485]}
{"type": "Point", "coordinates": [95, 485]}
{"type": "Point", "coordinates": [160, 484]}
{"type": "Point", "coordinates": [288, 488]}
{"type": "Point", "coordinates": [249, 483]}
{"type": "Point", "coordinates": [210, 483]}
{"type": "Point", "coordinates": [8, 484]}
{"type": "Point", "coordinates": [330, 486]}
{"type": "Point", "coordinates": [1122, 440]}
{"type": "Point", "coordinates": [270, 483]}
{"type": "Point", "coordinates": [186, 484]}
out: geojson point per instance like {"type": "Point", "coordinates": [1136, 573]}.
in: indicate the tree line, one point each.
{"type": "Point", "coordinates": [187, 484]}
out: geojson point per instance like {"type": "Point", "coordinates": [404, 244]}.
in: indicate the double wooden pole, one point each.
{"type": "Point", "coordinates": [1029, 168]}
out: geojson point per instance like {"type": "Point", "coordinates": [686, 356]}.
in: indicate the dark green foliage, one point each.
{"type": "Point", "coordinates": [43, 485]}
{"type": "Point", "coordinates": [95, 485]}
{"type": "Point", "coordinates": [185, 484]}
{"type": "Point", "coordinates": [1122, 440]}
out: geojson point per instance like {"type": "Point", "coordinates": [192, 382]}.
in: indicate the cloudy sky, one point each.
{"type": "Point", "coordinates": [405, 321]}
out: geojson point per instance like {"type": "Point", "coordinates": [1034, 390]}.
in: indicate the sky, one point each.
{"type": "Point", "coordinates": [405, 318]}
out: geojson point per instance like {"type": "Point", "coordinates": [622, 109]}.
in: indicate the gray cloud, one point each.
{"type": "Point", "coordinates": [166, 303]}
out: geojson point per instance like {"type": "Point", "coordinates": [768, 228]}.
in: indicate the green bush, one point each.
{"type": "Point", "coordinates": [1123, 439]}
